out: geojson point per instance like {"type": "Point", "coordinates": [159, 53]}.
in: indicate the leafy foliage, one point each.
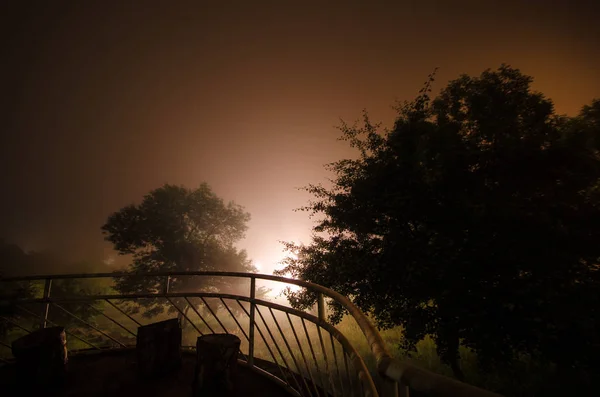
{"type": "Point", "coordinates": [178, 229]}
{"type": "Point", "coordinates": [14, 262]}
{"type": "Point", "coordinates": [475, 219]}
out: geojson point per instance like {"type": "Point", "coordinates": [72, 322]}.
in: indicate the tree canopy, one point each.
{"type": "Point", "coordinates": [178, 229]}
{"type": "Point", "coordinates": [475, 220]}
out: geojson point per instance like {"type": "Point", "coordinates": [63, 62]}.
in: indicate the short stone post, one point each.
{"type": "Point", "coordinates": [159, 348]}
{"type": "Point", "coordinates": [41, 358]}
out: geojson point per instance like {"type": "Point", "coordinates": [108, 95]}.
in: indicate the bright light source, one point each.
{"type": "Point", "coordinates": [271, 260]}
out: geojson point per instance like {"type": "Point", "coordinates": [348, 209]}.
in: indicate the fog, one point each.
{"type": "Point", "coordinates": [104, 102]}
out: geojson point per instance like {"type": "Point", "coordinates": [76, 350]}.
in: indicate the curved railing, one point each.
{"type": "Point", "coordinates": [283, 343]}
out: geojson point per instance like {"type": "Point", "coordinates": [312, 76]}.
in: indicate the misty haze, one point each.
{"type": "Point", "coordinates": [305, 198]}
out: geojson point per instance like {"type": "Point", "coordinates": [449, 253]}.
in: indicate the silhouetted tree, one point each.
{"type": "Point", "coordinates": [15, 262]}
{"type": "Point", "coordinates": [475, 219]}
{"type": "Point", "coordinates": [178, 229]}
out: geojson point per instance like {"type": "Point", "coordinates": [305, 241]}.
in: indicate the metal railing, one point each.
{"type": "Point", "coordinates": [301, 351]}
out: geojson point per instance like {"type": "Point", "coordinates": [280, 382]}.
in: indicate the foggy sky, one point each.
{"type": "Point", "coordinates": [103, 103]}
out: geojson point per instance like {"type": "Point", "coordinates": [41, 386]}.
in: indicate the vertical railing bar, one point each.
{"type": "Point", "coordinates": [350, 382]}
{"type": "Point", "coordinates": [251, 320]}
{"type": "Point", "coordinates": [283, 338]}
{"type": "Point", "coordinates": [284, 378]}
{"type": "Point", "coordinates": [243, 308]}
{"type": "Point", "coordinates": [322, 318]}
{"type": "Point", "coordinates": [167, 285]}
{"type": "Point", "coordinates": [47, 288]}
{"type": "Point", "coordinates": [67, 332]}
{"type": "Point", "coordinates": [302, 354]}
{"type": "Point", "coordinates": [184, 315]}
{"type": "Point", "coordinates": [287, 345]}
{"type": "Point", "coordinates": [248, 314]}
{"type": "Point", "coordinates": [326, 361]}
{"type": "Point", "coordinates": [337, 366]}
{"type": "Point", "coordinates": [238, 324]}
{"type": "Point", "coordinates": [272, 338]}
{"type": "Point", "coordinates": [402, 390]}
{"type": "Point", "coordinates": [89, 325]}
{"type": "Point", "coordinates": [214, 315]}
{"type": "Point", "coordinates": [278, 349]}
{"type": "Point", "coordinates": [234, 319]}
{"type": "Point", "coordinates": [123, 312]}
{"type": "Point", "coordinates": [361, 382]}
{"type": "Point", "coordinates": [111, 319]}
{"type": "Point", "coordinates": [8, 320]}
{"type": "Point", "coordinates": [199, 315]}
{"type": "Point", "coordinates": [320, 376]}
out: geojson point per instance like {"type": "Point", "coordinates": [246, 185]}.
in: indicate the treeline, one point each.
{"type": "Point", "coordinates": [15, 262]}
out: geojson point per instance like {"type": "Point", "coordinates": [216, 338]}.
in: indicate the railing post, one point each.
{"type": "Point", "coordinates": [251, 330]}
{"type": "Point", "coordinates": [389, 388]}
{"type": "Point", "coordinates": [402, 390]}
{"type": "Point", "coordinates": [167, 282]}
{"type": "Point", "coordinates": [390, 385]}
{"type": "Point", "coordinates": [166, 294]}
{"type": "Point", "coordinates": [47, 288]}
{"type": "Point", "coordinates": [321, 306]}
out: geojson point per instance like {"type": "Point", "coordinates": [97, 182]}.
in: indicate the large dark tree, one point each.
{"type": "Point", "coordinates": [178, 229]}
{"type": "Point", "coordinates": [475, 219]}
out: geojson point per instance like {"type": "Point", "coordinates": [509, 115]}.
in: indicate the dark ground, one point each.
{"type": "Point", "coordinates": [114, 374]}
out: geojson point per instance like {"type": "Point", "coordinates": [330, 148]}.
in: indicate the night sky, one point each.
{"type": "Point", "coordinates": [103, 101]}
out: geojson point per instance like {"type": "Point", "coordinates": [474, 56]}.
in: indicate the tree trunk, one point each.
{"type": "Point", "coordinates": [458, 373]}
{"type": "Point", "coordinates": [216, 365]}
{"type": "Point", "coordinates": [159, 347]}
{"type": "Point", "coordinates": [448, 345]}
{"type": "Point", "coordinates": [41, 358]}
{"type": "Point", "coordinates": [453, 356]}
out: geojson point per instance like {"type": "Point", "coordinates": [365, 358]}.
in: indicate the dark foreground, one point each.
{"type": "Point", "coordinates": [113, 373]}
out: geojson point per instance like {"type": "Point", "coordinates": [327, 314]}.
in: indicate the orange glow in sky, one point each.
{"type": "Point", "coordinates": [105, 101]}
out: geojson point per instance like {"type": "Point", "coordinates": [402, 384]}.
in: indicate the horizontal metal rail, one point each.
{"type": "Point", "coordinates": [391, 369]}
{"type": "Point", "coordinates": [353, 355]}
{"type": "Point", "coordinates": [45, 320]}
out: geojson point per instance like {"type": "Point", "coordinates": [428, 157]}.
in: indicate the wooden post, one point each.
{"type": "Point", "coordinates": [216, 365]}
{"type": "Point", "coordinates": [41, 358]}
{"type": "Point", "coordinates": [159, 347]}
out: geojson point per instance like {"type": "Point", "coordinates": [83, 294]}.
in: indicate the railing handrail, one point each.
{"type": "Point", "coordinates": [404, 373]}
{"type": "Point", "coordinates": [376, 343]}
